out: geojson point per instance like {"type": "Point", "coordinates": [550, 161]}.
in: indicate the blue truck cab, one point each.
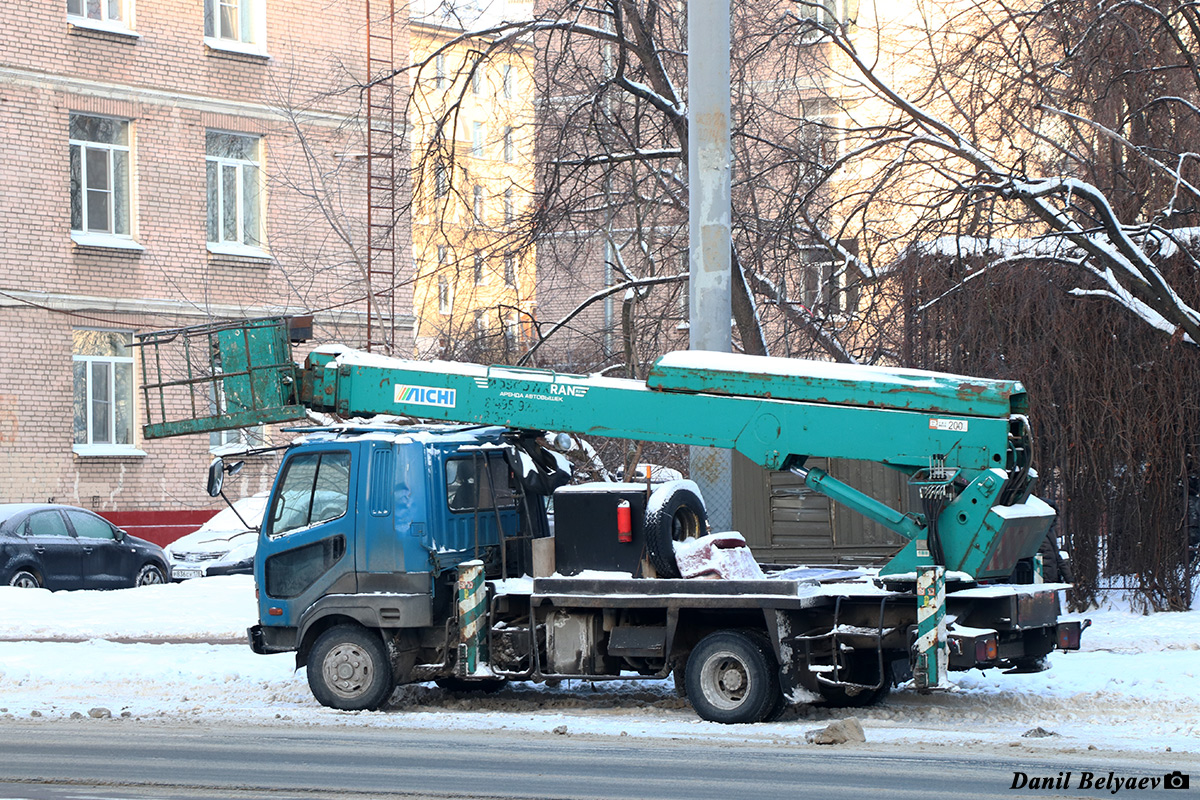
{"type": "Point", "coordinates": [366, 525]}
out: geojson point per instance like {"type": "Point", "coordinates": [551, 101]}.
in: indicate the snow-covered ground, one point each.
{"type": "Point", "coordinates": [1134, 687]}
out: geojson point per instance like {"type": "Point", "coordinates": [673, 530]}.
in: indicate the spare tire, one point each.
{"type": "Point", "coordinates": [674, 512]}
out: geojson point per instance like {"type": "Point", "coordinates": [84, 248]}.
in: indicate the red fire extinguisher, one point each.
{"type": "Point", "coordinates": [624, 522]}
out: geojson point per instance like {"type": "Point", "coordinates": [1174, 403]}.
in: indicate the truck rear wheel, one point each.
{"type": "Point", "coordinates": [672, 518]}
{"type": "Point", "coordinates": [348, 669]}
{"type": "Point", "coordinates": [732, 679]}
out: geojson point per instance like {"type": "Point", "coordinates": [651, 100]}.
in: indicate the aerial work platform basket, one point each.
{"type": "Point", "coordinates": [221, 376]}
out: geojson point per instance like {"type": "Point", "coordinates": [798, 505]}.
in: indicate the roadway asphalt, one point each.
{"type": "Point", "coordinates": [110, 759]}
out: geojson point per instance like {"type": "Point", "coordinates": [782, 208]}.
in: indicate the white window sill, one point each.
{"type": "Point", "coordinates": [238, 250]}
{"type": "Point", "coordinates": [107, 240]}
{"type": "Point", "coordinates": [234, 46]}
{"type": "Point", "coordinates": [123, 450]}
{"type": "Point", "coordinates": [116, 28]}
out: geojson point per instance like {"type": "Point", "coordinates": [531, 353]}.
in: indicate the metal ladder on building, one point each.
{"type": "Point", "coordinates": [383, 147]}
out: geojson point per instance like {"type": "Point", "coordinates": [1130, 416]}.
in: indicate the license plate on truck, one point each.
{"type": "Point", "coordinates": [181, 573]}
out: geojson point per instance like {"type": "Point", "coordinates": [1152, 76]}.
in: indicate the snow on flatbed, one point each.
{"type": "Point", "coordinates": [1134, 687]}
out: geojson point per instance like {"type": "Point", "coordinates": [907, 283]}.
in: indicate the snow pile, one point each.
{"type": "Point", "coordinates": [208, 609]}
{"type": "Point", "coordinates": [1135, 685]}
{"type": "Point", "coordinates": [717, 555]}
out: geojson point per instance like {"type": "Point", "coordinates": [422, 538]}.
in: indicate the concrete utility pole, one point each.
{"type": "Point", "coordinates": [709, 215]}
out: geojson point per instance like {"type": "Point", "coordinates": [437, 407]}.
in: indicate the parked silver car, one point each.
{"type": "Point", "coordinates": [223, 545]}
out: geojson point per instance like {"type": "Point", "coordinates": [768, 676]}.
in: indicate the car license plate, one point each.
{"type": "Point", "coordinates": [186, 572]}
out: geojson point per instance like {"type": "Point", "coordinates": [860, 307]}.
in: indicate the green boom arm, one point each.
{"type": "Point", "coordinates": [776, 412]}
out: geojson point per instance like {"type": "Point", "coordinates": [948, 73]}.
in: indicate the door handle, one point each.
{"type": "Point", "coordinates": [88, 549]}
{"type": "Point", "coordinates": [37, 548]}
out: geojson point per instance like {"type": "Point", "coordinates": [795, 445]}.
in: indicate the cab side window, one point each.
{"type": "Point", "coordinates": [45, 523]}
{"type": "Point", "coordinates": [315, 488]}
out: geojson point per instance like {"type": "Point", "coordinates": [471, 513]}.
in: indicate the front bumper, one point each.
{"type": "Point", "coordinates": [266, 639]}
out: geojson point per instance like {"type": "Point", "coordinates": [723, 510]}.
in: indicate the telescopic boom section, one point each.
{"type": "Point", "coordinates": [776, 412]}
{"type": "Point", "coordinates": [964, 442]}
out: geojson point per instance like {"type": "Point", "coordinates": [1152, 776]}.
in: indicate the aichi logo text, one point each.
{"type": "Point", "coordinates": [426, 396]}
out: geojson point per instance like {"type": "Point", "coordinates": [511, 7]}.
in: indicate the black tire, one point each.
{"type": "Point", "coordinates": [459, 685]}
{"type": "Point", "coordinates": [845, 697]}
{"type": "Point", "coordinates": [730, 679]}
{"type": "Point", "coordinates": [348, 669]}
{"type": "Point", "coordinates": [677, 516]}
{"type": "Point", "coordinates": [25, 579]}
{"type": "Point", "coordinates": [781, 702]}
{"type": "Point", "coordinates": [150, 575]}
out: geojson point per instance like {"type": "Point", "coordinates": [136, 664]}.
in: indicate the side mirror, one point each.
{"type": "Point", "coordinates": [216, 474]}
{"type": "Point", "coordinates": [119, 534]}
{"type": "Point", "coordinates": [216, 477]}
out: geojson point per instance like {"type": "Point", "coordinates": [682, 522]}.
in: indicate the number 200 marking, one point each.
{"type": "Point", "coordinates": [954, 425]}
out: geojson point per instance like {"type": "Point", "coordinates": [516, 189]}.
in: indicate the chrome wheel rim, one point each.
{"type": "Point", "coordinates": [347, 670]}
{"type": "Point", "coordinates": [24, 580]}
{"type": "Point", "coordinates": [150, 577]}
{"type": "Point", "coordinates": [725, 681]}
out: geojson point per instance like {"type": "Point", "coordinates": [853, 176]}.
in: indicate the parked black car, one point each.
{"type": "Point", "coordinates": [63, 547]}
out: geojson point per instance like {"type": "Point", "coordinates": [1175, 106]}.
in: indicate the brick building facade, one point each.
{"type": "Point", "coordinates": [166, 163]}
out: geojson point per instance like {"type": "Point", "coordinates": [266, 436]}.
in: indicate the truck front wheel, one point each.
{"type": "Point", "coordinates": [731, 678]}
{"type": "Point", "coordinates": [348, 669]}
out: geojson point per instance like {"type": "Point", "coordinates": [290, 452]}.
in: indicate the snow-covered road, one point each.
{"type": "Point", "coordinates": [1134, 687]}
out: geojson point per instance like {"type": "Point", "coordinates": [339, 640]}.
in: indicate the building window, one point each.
{"type": "Point", "coordinates": [103, 13]}
{"type": "Point", "coordinates": [508, 144]}
{"type": "Point", "coordinates": [235, 196]}
{"type": "Point", "coordinates": [99, 175]}
{"type": "Point", "coordinates": [508, 206]}
{"type": "Point", "coordinates": [439, 71]}
{"type": "Point", "coordinates": [234, 24]}
{"type": "Point", "coordinates": [441, 180]}
{"type": "Point", "coordinates": [477, 204]}
{"type": "Point", "coordinates": [476, 67]}
{"type": "Point", "coordinates": [480, 272]}
{"type": "Point", "coordinates": [510, 271]}
{"type": "Point", "coordinates": [236, 441]}
{"type": "Point", "coordinates": [103, 365]}
{"type": "Point", "coordinates": [481, 327]}
{"type": "Point", "coordinates": [512, 332]}
{"type": "Point", "coordinates": [506, 81]}
{"type": "Point", "coordinates": [477, 139]}
{"type": "Point", "coordinates": [445, 295]}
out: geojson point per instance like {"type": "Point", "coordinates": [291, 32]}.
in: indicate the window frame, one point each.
{"type": "Point", "coordinates": [477, 139]}
{"type": "Point", "coordinates": [441, 180]}
{"type": "Point", "coordinates": [122, 24]}
{"type": "Point", "coordinates": [445, 296]}
{"type": "Point", "coordinates": [480, 268]}
{"type": "Point", "coordinates": [110, 237]}
{"type": "Point", "coordinates": [506, 81]}
{"type": "Point", "coordinates": [477, 204]}
{"type": "Point", "coordinates": [251, 13]}
{"type": "Point", "coordinates": [90, 447]}
{"type": "Point", "coordinates": [475, 65]}
{"type": "Point", "coordinates": [237, 247]}
{"type": "Point", "coordinates": [509, 148]}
